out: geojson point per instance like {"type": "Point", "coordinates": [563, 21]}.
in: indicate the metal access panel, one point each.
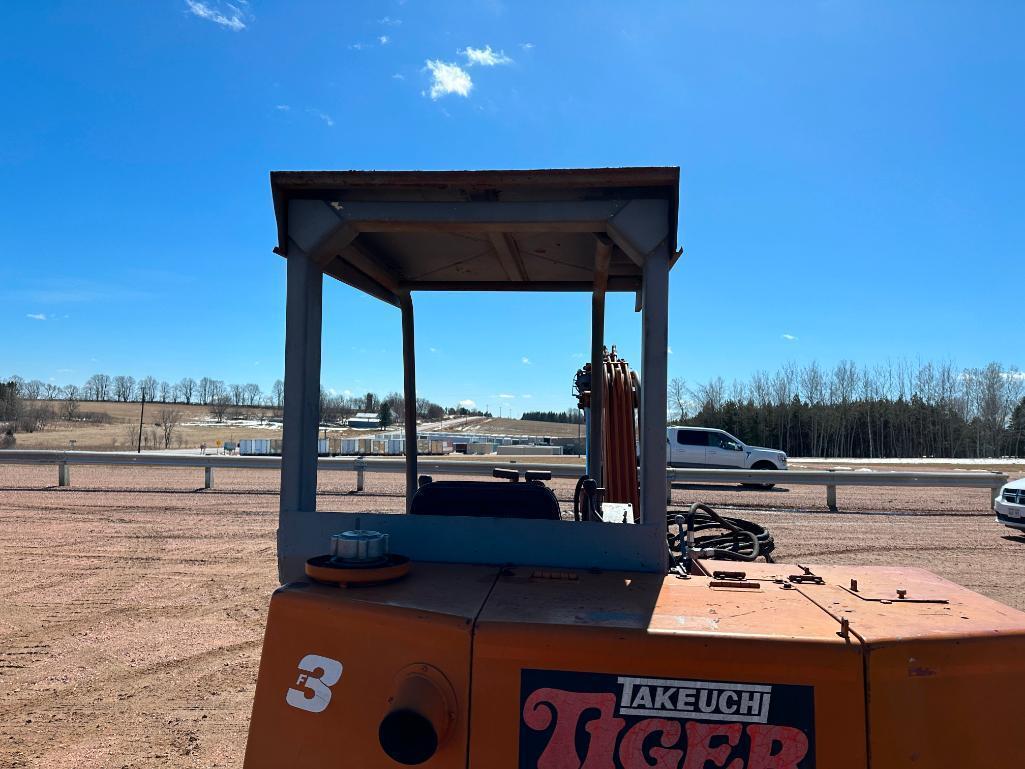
{"type": "Point", "coordinates": [573, 668]}
{"type": "Point", "coordinates": [334, 660]}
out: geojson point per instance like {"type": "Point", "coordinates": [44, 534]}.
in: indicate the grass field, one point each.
{"type": "Point", "coordinates": [119, 429]}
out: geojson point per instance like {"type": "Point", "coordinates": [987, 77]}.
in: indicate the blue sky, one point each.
{"type": "Point", "coordinates": [853, 177]}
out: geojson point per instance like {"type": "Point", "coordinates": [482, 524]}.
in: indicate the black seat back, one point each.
{"type": "Point", "coordinates": [486, 499]}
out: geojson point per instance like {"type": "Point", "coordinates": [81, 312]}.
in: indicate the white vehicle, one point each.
{"type": "Point", "coordinates": [707, 447]}
{"type": "Point", "coordinates": [1010, 505]}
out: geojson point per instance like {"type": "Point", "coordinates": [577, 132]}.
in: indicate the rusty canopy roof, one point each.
{"type": "Point", "coordinates": [390, 232]}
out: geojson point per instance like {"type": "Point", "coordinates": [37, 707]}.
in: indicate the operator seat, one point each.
{"type": "Point", "coordinates": [486, 499]}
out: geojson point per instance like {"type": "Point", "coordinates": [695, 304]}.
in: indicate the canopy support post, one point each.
{"type": "Point", "coordinates": [409, 393]}
{"type": "Point", "coordinates": [595, 444]}
{"type": "Point", "coordinates": [303, 315]}
{"type": "Point", "coordinates": [654, 353]}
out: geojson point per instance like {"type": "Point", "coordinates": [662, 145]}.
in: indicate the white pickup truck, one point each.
{"type": "Point", "coordinates": [708, 447]}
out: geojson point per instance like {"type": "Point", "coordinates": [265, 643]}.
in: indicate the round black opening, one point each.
{"type": "Point", "coordinates": [407, 737]}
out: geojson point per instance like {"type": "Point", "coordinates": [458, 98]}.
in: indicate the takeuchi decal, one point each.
{"type": "Point", "coordinates": [599, 721]}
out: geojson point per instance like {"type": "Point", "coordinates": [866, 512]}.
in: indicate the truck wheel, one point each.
{"type": "Point", "coordinates": [763, 465]}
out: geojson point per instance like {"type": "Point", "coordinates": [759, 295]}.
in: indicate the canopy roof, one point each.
{"type": "Point", "coordinates": [391, 232]}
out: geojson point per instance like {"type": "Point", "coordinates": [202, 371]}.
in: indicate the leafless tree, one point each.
{"type": "Point", "coordinates": [170, 419]}
{"type": "Point", "coordinates": [98, 387]}
{"type": "Point", "coordinates": [278, 393]}
{"type": "Point", "coordinates": [148, 388]}
{"type": "Point", "coordinates": [124, 388]}
{"type": "Point", "coordinates": [252, 394]}
{"type": "Point", "coordinates": [187, 389]}
{"type": "Point", "coordinates": [165, 391]}
{"type": "Point", "coordinates": [678, 397]}
{"type": "Point", "coordinates": [51, 390]}
{"type": "Point", "coordinates": [219, 407]}
{"type": "Point", "coordinates": [32, 390]}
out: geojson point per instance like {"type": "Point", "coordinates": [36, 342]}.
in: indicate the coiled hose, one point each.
{"type": "Point", "coordinates": [737, 540]}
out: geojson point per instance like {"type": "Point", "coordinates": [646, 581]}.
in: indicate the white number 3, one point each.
{"type": "Point", "coordinates": [315, 693]}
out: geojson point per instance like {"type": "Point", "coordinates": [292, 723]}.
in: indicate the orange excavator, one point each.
{"type": "Point", "coordinates": [487, 628]}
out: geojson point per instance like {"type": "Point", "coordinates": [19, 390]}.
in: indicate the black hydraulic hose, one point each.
{"type": "Point", "coordinates": [576, 497]}
{"type": "Point", "coordinates": [742, 541]}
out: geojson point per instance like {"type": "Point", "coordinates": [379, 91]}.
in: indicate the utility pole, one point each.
{"type": "Point", "coordinates": [142, 408]}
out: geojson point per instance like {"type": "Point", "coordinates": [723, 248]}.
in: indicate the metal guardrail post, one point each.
{"type": "Point", "coordinates": [208, 477]}
{"type": "Point", "coordinates": [360, 465]}
{"type": "Point", "coordinates": [63, 474]}
{"type": "Point", "coordinates": [831, 496]}
{"type": "Point", "coordinates": [669, 490]}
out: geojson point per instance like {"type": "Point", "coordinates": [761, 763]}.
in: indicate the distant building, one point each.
{"type": "Point", "coordinates": [365, 420]}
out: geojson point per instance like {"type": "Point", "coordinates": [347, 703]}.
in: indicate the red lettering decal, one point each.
{"type": "Point", "coordinates": [567, 707]}
{"type": "Point", "coordinates": [631, 749]}
{"type": "Point", "coordinates": [698, 750]}
{"type": "Point", "coordinates": [792, 744]}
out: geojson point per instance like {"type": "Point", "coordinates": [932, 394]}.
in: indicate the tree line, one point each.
{"type": "Point", "coordinates": [900, 409]}
{"type": "Point", "coordinates": [569, 416]}
{"type": "Point", "coordinates": [125, 389]}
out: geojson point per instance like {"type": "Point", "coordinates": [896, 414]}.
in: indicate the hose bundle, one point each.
{"type": "Point", "coordinates": [736, 539]}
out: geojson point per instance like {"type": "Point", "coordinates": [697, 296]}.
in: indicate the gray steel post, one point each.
{"type": "Point", "coordinates": [361, 467]}
{"type": "Point", "coordinates": [208, 477]}
{"type": "Point", "coordinates": [303, 305]}
{"type": "Point", "coordinates": [595, 443]}
{"type": "Point", "coordinates": [409, 393]}
{"type": "Point", "coordinates": [831, 498]}
{"type": "Point", "coordinates": [63, 474]}
{"type": "Point", "coordinates": [654, 352]}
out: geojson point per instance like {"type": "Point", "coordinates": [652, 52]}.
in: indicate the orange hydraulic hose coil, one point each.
{"type": "Point", "coordinates": [620, 433]}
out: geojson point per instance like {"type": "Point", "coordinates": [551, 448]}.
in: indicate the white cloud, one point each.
{"type": "Point", "coordinates": [669, 350]}
{"type": "Point", "coordinates": [388, 21]}
{"type": "Point", "coordinates": [384, 39]}
{"type": "Point", "coordinates": [231, 18]}
{"type": "Point", "coordinates": [468, 404]}
{"type": "Point", "coordinates": [36, 315]}
{"type": "Point", "coordinates": [525, 360]}
{"type": "Point", "coordinates": [526, 395]}
{"type": "Point", "coordinates": [358, 46]}
{"type": "Point", "coordinates": [323, 116]}
{"type": "Point", "coordinates": [506, 396]}
{"type": "Point", "coordinates": [526, 46]}
{"type": "Point", "coordinates": [790, 337]}
{"type": "Point", "coordinates": [398, 76]}
{"type": "Point", "coordinates": [433, 349]}
{"type": "Point", "coordinates": [448, 78]}
{"type": "Point", "coordinates": [577, 355]}
{"type": "Point", "coordinates": [282, 107]}
{"type": "Point", "coordinates": [485, 57]}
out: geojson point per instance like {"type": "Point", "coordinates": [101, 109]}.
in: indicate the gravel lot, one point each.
{"type": "Point", "coordinates": [132, 604]}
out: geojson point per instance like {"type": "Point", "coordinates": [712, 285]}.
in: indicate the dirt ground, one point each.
{"type": "Point", "coordinates": [132, 604]}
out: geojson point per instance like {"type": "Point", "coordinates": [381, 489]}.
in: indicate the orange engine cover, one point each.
{"type": "Point", "coordinates": [521, 667]}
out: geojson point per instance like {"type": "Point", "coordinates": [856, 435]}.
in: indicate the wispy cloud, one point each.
{"type": "Point", "coordinates": [36, 315]}
{"type": "Point", "coordinates": [328, 120]}
{"type": "Point", "coordinates": [282, 107]}
{"type": "Point", "coordinates": [383, 39]}
{"type": "Point", "coordinates": [433, 349]}
{"type": "Point", "coordinates": [398, 76]}
{"type": "Point", "coordinates": [468, 404]}
{"type": "Point", "coordinates": [388, 21]}
{"type": "Point", "coordinates": [577, 356]}
{"type": "Point", "coordinates": [485, 57]}
{"type": "Point", "coordinates": [231, 17]}
{"type": "Point", "coordinates": [525, 360]}
{"type": "Point", "coordinates": [789, 337]}
{"type": "Point", "coordinates": [447, 78]}
{"type": "Point", "coordinates": [526, 395]}
{"type": "Point", "coordinates": [527, 46]}
{"type": "Point", "coordinates": [506, 396]}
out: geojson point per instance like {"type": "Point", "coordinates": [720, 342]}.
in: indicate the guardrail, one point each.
{"type": "Point", "coordinates": [831, 479]}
